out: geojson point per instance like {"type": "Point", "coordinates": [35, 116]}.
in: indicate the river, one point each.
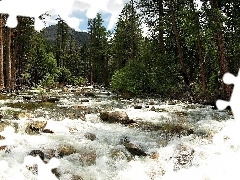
{"type": "Point", "coordinates": [180, 140]}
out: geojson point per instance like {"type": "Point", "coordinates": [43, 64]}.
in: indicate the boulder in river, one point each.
{"type": "Point", "coordinates": [88, 158]}
{"type": "Point", "coordinates": [76, 177]}
{"type": "Point", "coordinates": [116, 117]}
{"type": "Point", "coordinates": [89, 94]}
{"type": "Point", "coordinates": [66, 150]}
{"type": "Point", "coordinates": [47, 131]}
{"type": "Point", "coordinates": [90, 136]}
{"type": "Point", "coordinates": [137, 107]}
{"type": "Point", "coordinates": [35, 127]}
{"type": "Point", "coordinates": [134, 149]}
{"type": "Point", "coordinates": [37, 153]}
{"type": "Point", "coordinates": [2, 147]}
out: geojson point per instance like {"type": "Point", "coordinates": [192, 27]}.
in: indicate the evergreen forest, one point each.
{"type": "Point", "coordinates": [185, 53]}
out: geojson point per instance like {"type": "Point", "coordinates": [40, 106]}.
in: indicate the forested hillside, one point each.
{"type": "Point", "coordinates": [50, 33]}
{"type": "Point", "coordinates": [185, 54]}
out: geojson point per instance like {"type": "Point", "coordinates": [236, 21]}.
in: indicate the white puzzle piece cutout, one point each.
{"type": "Point", "coordinates": [8, 134]}
{"type": "Point", "coordinates": [235, 98]}
{"type": "Point", "coordinates": [44, 169]}
{"type": "Point", "coordinates": [34, 8]}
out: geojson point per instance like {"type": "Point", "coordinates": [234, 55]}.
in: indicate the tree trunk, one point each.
{"type": "Point", "coordinates": [199, 46]}
{"type": "Point", "coordinates": [223, 63]}
{"type": "Point", "coordinates": [226, 90]}
{"type": "Point", "coordinates": [180, 52]}
{"type": "Point", "coordinates": [8, 60]}
{"type": "Point", "coordinates": [14, 60]}
{"type": "Point", "coordinates": [1, 53]}
{"type": "Point", "coordinates": [161, 28]}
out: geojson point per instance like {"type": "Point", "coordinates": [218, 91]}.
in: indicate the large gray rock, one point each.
{"type": "Point", "coordinates": [35, 127]}
{"type": "Point", "coordinates": [116, 117]}
{"type": "Point", "coordinates": [134, 149]}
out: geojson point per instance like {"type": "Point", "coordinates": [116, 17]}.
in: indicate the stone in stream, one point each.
{"type": "Point", "coordinates": [152, 103]}
{"type": "Point", "coordinates": [90, 136]}
{"type": "Point", "coordinates": [153, 108]}
{"type": "Point", "coordinates": [76, 177]}
{"type": "Point", "coordinates": [104, 116]}
{"type": "Point", "coordinates": [88, 158]}
{"type": "Point", "coordinates": [35, 127]}
{"type": "Point", "coordinates": [89, 94]}
{"type": "Point", "coordinates": [52, 99]}
{"type": "Point", "coordinates": [137, 107]}
{"type": "Point", "coordinates": [66, 151]}
{"type": "Point", "coordinates": [47, 131]}
{"type": "Point", "coordinates": [2, 147]}
{"type": "Point", "coordinates": [116, 117]}
{"type": "Point", "coordinates": [85, 100]}
{"type": "Point", "coordinates": [3, 124]}
{"type": "Point", "coordinates": [35, 153]}
{"type": "Point", "coordinates": [134, 150]}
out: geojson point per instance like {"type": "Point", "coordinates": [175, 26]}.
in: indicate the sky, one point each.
{"type": "Point", "coordinates": [83, 9]}
{"type": "Point", "coordinates": [75, 12]}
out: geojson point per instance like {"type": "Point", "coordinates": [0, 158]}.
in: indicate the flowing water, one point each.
{"type": "Point", "coordinates": [181, 140]}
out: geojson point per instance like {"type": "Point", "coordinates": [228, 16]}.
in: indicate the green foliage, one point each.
{"type": "Point", "coordinates": [48, 80]}
{"type": "Point", "coordinates": [77, 81]}
{"type": "Point", "coordinates": [130, 78]}
{"type": "Point", "coordinates": [64, 75]}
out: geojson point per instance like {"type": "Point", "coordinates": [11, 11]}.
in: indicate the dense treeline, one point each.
{"type": "Point", "coordinates": [185, 54]}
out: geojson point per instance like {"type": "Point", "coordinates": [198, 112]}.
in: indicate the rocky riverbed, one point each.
{"type": "Point", "coordinates": [96, 135]}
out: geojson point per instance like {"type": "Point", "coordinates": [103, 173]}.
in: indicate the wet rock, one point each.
{"type": "Point", "coordinates": [85, 100]}
{"type": "Point", "coordinates": [183, 156]}
{"type": "Point", "coordinates": [76, 177]}
{"type": "Point", "coordinates": [89, 94]}
{"type": "Point", "coordinates": [124, 139]}
{"type": "Point", "coordinates": [50, 153]}
{"type": "Point", "coordinates": [90, 136]}
{"type": "Point", "coordinates": [65, 89]}
{"type": "Point", "coordinates": [35, 127]}
{"type": "Point", "coordinates": [88, 158]}
{"type": "Point", "coordinates": [153, 108]}
{"type": "Point", "coordinates": [117, 154]}
{"type": "Point", "coordinates": [27, 97]}
{"type": "Point", "coordinates": [104, 116]}
{"type": "Point", "coordinates": [2, 147]}
{"type": "Point", "coordinates": [154, 155]}
{"type": "Point", "coordinates": [23, 116]}
{"type": "Point", "coordinates": [116, 117]}
{"type": "Point", "coordinates": [171, 103]}
{"type": "Point", "coordinates": [181, 114]}
{"type": "Point", "coordinates": [134, 150]}
{"type": "Point", "coordinates": [47, 131]}
{"type": "Point", "coordinates": [137, 107]}
{"type": "Point", "coordinates": [152, 103]}
{"type": "Point", "coordinates": [3, 124]}
{"type": "Point", "coordinates": [56, 172]}
{"type": "Point", "coordinates": [66, 151]}
{"type": "Point", "coordinates": [52, 99]}
{"type": "Point", "coordinates": [37, 153]}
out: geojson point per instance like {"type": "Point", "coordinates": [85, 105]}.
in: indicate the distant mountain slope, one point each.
{"type": "Point", "coordinates": [50, 33]}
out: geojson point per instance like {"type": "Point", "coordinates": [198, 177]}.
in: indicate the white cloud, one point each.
{"type": "Point", "coordinates": [65, 8]}
{"type": "Point", "coordinates": [92, 7]}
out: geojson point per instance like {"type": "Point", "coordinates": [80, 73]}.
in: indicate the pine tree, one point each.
{"type": "Point", "coordinates": [1, 52]}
